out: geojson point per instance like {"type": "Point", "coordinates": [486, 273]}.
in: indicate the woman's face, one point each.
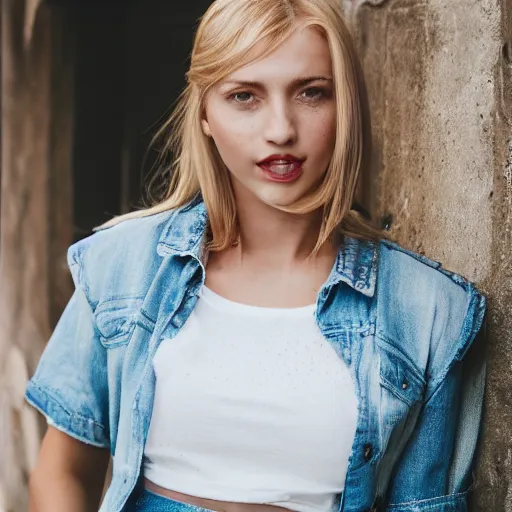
{"type": "Point", "coordinates": [282, 107]}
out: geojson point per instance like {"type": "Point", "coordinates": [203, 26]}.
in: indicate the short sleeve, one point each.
{"type": "Point", "coordinates": [70, 385]}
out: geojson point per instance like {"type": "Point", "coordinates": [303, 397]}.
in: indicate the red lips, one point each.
{"type": "Point", "coordinates": [289, 158]}
{"type": "Point", "coordinates": [281, 168]}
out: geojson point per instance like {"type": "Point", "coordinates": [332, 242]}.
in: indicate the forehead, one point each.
{"type": "Point", "coordinates": [304, 53]}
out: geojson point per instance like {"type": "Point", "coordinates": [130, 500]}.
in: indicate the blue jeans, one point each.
{"type": "Point", "coordinates": [148, 501]}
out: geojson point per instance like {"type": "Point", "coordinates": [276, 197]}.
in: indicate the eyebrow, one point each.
{"type": "Point", "coordinates": [298, 82]}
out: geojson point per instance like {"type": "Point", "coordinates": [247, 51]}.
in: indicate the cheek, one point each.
{"type": "Point", "coordinates": [228, 124]}
{"type": "Point", "coordinates": [320, 133]}
{"type": "Point", "coordinates": [232, 135]}
{"type": "Point", "coordinates": [229, 134]}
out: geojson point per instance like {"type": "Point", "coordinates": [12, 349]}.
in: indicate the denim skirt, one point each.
{"type": "Point", "coordinates": [148, 501]}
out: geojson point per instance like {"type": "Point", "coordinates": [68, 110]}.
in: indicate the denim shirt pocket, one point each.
{"type": "Point", "coordinates": [402, 390]}
{"type": "Point", "coordinates": [399, 376]}
{"type": "Point", "coordinates": [116, 320]}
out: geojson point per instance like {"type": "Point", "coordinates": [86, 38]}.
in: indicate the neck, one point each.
{"type": "Point", "coordinates": [268, 232]}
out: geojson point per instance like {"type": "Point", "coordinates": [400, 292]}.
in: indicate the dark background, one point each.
{"type": "Point", "coordinates": [130, 61]}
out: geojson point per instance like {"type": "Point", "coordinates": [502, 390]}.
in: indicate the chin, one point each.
{"type": "Point", "coordinates": [280, 200]}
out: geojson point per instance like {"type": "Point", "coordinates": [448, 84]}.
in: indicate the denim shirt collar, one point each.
{"type": "Point", "coordinates": [355, 265]}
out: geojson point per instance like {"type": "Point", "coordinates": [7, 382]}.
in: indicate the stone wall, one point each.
{"type": "Point", "coordinates": [440, 84]}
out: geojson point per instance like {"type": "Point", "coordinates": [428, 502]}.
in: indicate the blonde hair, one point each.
{"type": "Point", "coordinates": [226, 41]}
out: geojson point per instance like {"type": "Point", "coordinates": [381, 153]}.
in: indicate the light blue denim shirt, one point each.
{"type": "Point", "coordinates": [400, 322]}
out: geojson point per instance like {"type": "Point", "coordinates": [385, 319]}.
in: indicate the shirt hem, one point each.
{"type": "Point", "coordinates": [449, 503]}
{"type": "Point", "coordinates": [254, 497]}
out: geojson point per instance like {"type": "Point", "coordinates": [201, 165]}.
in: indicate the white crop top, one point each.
{"type": "Point", "coordinates": [251, 405]}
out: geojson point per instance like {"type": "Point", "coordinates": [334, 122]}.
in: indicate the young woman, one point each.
{"type": "Point", "coordinates": [250, 343]}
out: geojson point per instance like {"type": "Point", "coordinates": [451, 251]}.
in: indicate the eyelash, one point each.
{"type": "Point", "coordinates": [320, 94]}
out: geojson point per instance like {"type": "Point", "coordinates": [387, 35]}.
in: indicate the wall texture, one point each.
{"type": "Point", "coordinates": [440, 84]}
{"type": "Point", "coordinates": [35, 223]}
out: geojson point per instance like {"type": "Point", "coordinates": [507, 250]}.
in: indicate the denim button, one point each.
{"type": "Point", "coordinates": [405, 384]}
{"type": "Point", "coordinates": [177, 321]}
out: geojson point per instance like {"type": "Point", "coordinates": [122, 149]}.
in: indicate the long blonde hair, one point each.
{"type": "Point", "coordinates": [227, 39]}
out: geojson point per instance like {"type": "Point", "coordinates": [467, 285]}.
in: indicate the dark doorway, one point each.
{"type": "Point", "coordinates": [130, 63]}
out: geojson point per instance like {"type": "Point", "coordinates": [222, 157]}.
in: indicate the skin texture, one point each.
{"type": "Point", "coordinates": [270, 266]}
{"type": "Point", "coordinates": [278, 116]}
{"type": "Point", "coordinates": [69, 475]}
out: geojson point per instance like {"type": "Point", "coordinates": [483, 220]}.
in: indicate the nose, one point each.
{"type": "Point", "coordinates": [280, 127]}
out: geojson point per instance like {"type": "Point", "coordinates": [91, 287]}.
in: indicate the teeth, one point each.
{"type": "Point", "coordinates": [282, 168]}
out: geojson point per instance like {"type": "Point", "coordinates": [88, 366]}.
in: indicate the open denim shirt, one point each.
{"type": "Point", "coordinates": [400, 322]}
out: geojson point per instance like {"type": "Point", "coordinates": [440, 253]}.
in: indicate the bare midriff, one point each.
{"type": "Point", "coordinates": [218, 506]}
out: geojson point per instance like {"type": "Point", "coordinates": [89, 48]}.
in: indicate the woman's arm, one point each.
{"type": "Point", "coordinates": [70, 388]}
{"type": "Point", "coordinates": [69, 475]}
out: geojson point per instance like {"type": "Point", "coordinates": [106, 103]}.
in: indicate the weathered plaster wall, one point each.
{"type": "Point", "coordinates": [35, 225]}
{"type": "Point", "coordinates": [440, 85]}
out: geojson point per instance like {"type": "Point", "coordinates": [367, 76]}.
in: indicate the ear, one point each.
{"type": "Point", "coordinates": [206, 127]}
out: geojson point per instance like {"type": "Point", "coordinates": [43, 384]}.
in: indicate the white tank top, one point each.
{"type": "Point", "coordinates": [251, 405]}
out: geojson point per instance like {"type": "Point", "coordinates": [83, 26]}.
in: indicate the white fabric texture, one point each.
{"type": "Point", "coordinates": [252, 405]}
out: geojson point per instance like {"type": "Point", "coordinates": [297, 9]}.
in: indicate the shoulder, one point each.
{"type": "Point", "coordinates": [431, 312]}
{"type": "Point", "coordinates": [406, 266]}
{"type": "Point", "coordinates": [120, 260]}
